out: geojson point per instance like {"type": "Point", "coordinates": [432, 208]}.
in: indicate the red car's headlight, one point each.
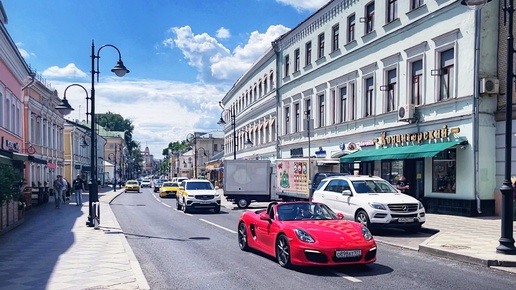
{"type": "Point", "coordinates": [304, 236]}
{"type": "Point", "coordinates": [367, 234]}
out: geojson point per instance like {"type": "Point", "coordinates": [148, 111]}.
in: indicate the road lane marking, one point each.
{"type": "Point", "coordinates": [347, 277]}
{"type": "Point", "coordinates": [216, 225]}
{"type": "Point", "coordinates": [159, 200]}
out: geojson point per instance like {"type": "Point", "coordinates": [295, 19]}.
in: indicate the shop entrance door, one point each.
{"type": "Point", "coordinates": [367, 168]}
{"type": "Point", "coordinates": [414, 172]}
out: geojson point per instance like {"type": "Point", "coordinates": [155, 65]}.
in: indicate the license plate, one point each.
{"type": "Point", "coordinates": [348, 254]}
{"type": "Point", "coordinates": [405, 220]}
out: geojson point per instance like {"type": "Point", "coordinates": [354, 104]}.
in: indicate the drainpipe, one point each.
{"type": "Point", "coordinates": [276, 46]}
{"type": "Point", "coordinates": [476, 113]}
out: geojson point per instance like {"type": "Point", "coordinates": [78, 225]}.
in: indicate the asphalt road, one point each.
{"type": "Point", "coordinates": [200, 251]}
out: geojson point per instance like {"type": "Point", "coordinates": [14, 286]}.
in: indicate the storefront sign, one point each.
{"type": "Point", "coordinates": [320, 153]}
{"type": "Point", "coordinates": [10, 145]}
{"type": "Point", "coordinates": [445, 132]}
{"type": "Point", "coordinates": [296, 152]}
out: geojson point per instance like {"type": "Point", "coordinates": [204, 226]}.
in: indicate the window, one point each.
{"type": "Point", "coordinates": [272, 81]}
{"type": "Point", "coordinates": [215, 149]}
{"type": "Point", "coordinates": [392, 10]}
{"type": "Point", "coordinates": [343, 104]}
{"type": "Point", "coordinates": [351, 28]}
{"type": "Point", "coordinates": [321, 111]}
{"type": "Point", "coordinates": [287, 120]}
{"type": "Point", "coordinates": [297, 125]}
{"type": "Point", "coordinates": [308, 50]}
{"type": "Point", "coordinates": [352, 102]}
{"type": "Point", "coordinates": [369, 90]}
{"type": "Point", "coordinates": [447, 74]}
{"type": "Point", "coordinates": [391, 91]}
{"type": "Point", "coordinates": [296, 60]}
{"type": "Point", "coordinates": [320, 52]}
{"type": "Point", "coordinates": [369, 19]}
{"type": "Point", "coordinates": [416, 82]}
{"type": "Point", "coordinates": [265, 85]}
{"type": "Point", "coordinates": [392, 170]}
{"type": "Point", "coordinates": [7, 114]}
{"type": "Point", "coordinates": [287, 63]}
{"type": "Point", "coordinates": [416, 4]}
{"type": "Point", "coordinates": [335, 38]}
{"type": "Point", "coordinates": [444, 171]}
{"type": "Point", "coordinates": [260, 90]}
{"type": "Point", "coordinates": [308, 108]}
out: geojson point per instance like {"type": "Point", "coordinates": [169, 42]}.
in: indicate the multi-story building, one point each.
{"type": "Point", "coordinates": [43, 130]}
{"type": "Point", "coordinates": [14, 75]}
{"type": "Point", "coordinates": [77, 150]}
{"type": "Point", "coordinates": [391, 88]}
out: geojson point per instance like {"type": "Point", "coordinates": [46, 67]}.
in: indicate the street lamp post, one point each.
{"type": "Point", "coordinates": [114, 168]}
{"type": "Point", "coordinates": [120, 70]}
{"type": "Point", "coordinates": [222, 122]}
{"type": "Point", "coordinates": [195, 158]}
{"type": "Point", "coordinates": [506, 240]}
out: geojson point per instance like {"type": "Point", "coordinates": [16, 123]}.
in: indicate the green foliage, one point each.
{"type": "Point", "coordinates": [177, 147]}
{"type": "Point", "coordinates": [10, 180]}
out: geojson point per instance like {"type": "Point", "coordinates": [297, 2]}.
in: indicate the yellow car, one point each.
{"type": "Point", "coordinates": [168, 189]}
{"type": "Point", "coordinates": [132, 185]}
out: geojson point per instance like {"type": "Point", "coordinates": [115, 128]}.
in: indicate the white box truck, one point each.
{"type": "Point", "coordinates": [247, 181]}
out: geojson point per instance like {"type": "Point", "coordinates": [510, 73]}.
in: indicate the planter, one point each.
{"type": "Point", "coordinates": [10, 216]}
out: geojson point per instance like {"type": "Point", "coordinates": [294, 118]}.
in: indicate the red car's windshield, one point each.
{"type": "Point", "coordinates": [304, 211]}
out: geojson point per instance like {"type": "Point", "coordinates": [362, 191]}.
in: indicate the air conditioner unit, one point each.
{"type": "Point", "coordinates": [489, 86]}
{"type": "Point", "coordinates": [406, 112]}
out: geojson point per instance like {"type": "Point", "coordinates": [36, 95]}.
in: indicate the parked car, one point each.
{"type": "Point", "coordinates": [371, 201]}
{"type": "Point", "coordinates": [306, 234]}
{"type": "Point", "coordinates": [178, 179]}
{"type": "Point", "coordinates": [319, 176]}
{"type": "Point", "coordinates": [197, 194]}
{"type": "Point", "coordinates": [132, 185]}
{"type": "Point", "coordinates": [146, 183]}
{"type": "Point", "coordinates": [169, 189]}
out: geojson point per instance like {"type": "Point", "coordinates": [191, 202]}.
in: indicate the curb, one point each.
{"type": "Point", "coordinates": [133, 262]}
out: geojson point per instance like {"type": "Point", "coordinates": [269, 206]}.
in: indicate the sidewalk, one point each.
{"type": "Point", "coordinates": [54, 249]}
{"type": "Point", "coordinates": [468, 239]}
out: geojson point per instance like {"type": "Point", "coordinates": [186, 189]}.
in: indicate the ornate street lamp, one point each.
{"type": "Point", "coordinates": [506, 241]}
{"type": "Point", "coordinates": [120, 70]}
{"type": "Point", "coordinates": [222, 122]}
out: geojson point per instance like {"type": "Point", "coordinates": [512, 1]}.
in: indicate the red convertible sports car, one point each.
{"type": "Point", "coordinates": [306, 234]}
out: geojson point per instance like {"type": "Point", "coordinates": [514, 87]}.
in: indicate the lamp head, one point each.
{"type": "Point", "coordinates": [221, 122]}
{"type": "Point", "coordinates": [120, 70]}
{"type": "Point", "coordinates": [64, 107]}
{"type": "Point", "coordinates": [474, 4]}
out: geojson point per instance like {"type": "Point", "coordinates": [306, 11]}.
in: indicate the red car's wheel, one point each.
{"type": "Point", "coordinates": [242, 237]}
{"type": "Point", "coordinates": [283, 251]}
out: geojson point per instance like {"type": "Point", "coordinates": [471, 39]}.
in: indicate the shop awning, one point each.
{"type": "Point", "coordinates": [20, 157]}
{"type": "Point", "coordinates": [37, 160]}
{"type": "Point", "coordinates": [401, 152]}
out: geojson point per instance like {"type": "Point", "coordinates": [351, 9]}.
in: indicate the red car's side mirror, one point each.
{"type": "Point", "coordinates": [340, 216]}
{"type": "Point", "coordinates": [265, 216]}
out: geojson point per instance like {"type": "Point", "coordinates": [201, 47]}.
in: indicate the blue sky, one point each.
{"type": "Point", "coordinates": [183, 56]}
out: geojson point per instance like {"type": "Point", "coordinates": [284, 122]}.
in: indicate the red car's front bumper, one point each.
{"type": "Point", "coordinates": [317, 254]}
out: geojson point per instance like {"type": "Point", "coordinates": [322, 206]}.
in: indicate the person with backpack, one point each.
{"type": "Point", "coordinates": [78, 187]}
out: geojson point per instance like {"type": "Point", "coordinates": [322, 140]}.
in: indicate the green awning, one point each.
{"type": "Point", "coordinates": [21, 157]}
{"type": "Point", "coordinates": [400, 152]}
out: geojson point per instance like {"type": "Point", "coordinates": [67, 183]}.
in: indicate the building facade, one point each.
{"type": "Point", "coordinates": [392, 88]}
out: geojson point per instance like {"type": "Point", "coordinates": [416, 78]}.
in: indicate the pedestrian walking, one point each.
{"type": "Point", "coordinates": [78, 187]}
{"type": "Point", "coordinates": [59, 187]}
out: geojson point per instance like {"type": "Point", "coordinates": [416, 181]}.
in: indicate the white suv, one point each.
{"type": "Point", "coordinates": [371, 201]}
{"type": "Point", "coordinates": [197, 194]}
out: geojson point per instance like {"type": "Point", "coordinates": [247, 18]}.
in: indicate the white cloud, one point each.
{"type": "Point", "coordinates": [309, 5]}
{"type": "Point", "coordinates": [223, 33]}
{"type": "Point", "coordinates": [161, 111]}
{"type": "Point", "coordinates": [69, 71]}
{"type": "Point", "coordinates": [213, 60]}
{"type": "Point", "coordinates": [233, 66]}
{"type": "Point", "coordinates": [25, 54]}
